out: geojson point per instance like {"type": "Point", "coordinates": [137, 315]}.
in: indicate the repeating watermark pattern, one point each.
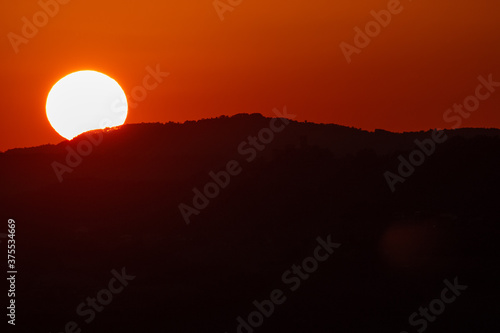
{"type": "Point", "coordinates": [104, 297]}
{"type": "Point", "coordinates": [471, 103]}
{"type": "Point", "coordinates": [293, 279]}
{"type": "Point", "coordinates": [223, 6]}
{"type": "Point", "coordinates": [421, 319]}
{"type": "Point", "coordinates": [29, 30]}
{"type": "Point", "coordinates": [249, 149]}
{"type": "Point", "coordinates": [427, 147]}
{"type": "Point", "coordinates": [11, 272]}
{"type": "Point", "coordinates": [373, 28]}
{"type": "Point", "coordinates": [149, 83]}
{"type": "Point", "coordinates": [93, 139]}
{"type": "Point", "coordinates": [417, 157]}
{"type": "Point", "coordinates": [75, 157]}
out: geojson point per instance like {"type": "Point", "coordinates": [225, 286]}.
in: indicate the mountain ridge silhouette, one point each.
{"type": "Point", "coordinates": [120, 208]}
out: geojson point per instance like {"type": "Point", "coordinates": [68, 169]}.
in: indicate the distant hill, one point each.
{"type": "Point", "coordinates": [120, 207]}
{"type": "Point", "coordinates": [154, 151]}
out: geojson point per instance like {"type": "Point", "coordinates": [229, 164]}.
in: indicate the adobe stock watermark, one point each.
{"type": "Point", "coordinates": [421, 319]}
{"type": "Point", "coordinates": [471, 103]}
{"type": "Point", "coordinates": [293, 279]}
{"type": "Point", "coordinates": [150, 82]}
{"type": "Point", "coordinates": [30, 28]}
{"type": "Point", "coordinates": [249, 149]}
{"type": "Point", "coordinates": [85, 147]}
{"type": "Point", "coordinates": [373, 28]}
{"type": "Point", "coordinates": [93, 305]}
{"type": "Point", "coordinates": [222, 6]}
{"type": "Point", "coordinates": [427, 147]}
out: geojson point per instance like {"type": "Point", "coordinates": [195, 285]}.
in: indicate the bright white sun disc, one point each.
{"type": "Point", "coordinates": [84, 101]}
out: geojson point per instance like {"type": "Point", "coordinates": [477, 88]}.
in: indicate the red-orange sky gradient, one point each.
{"type": "Point", "coordinates": [264, 54]}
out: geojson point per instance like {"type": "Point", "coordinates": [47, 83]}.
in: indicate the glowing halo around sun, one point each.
{"type": "Point", "coordinates": [84, 101]}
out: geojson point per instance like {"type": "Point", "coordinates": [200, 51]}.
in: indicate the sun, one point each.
{"type": "Point", "coordinates": [84, 101]}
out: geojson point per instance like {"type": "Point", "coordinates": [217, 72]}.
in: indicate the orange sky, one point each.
{"type": "Point", "coordinates": [264, 54]}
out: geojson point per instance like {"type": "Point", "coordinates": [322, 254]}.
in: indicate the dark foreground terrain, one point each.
{"type": "Point", "coordinates": [423, 257]}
